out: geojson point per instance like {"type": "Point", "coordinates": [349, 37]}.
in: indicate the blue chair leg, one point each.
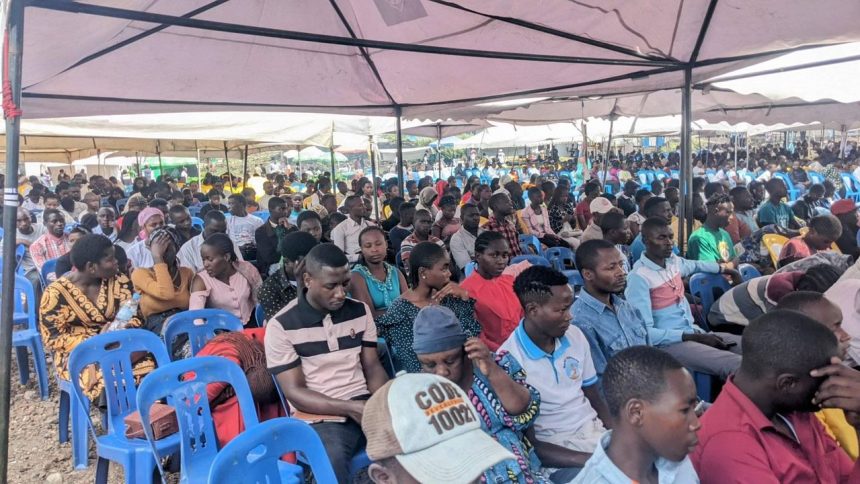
{"type": "Point", "coordinates": [102, 471]}
{"type": "Point", "coordinates": [703, 385]}
{"type": "Point", "coordinates": [359, 461]}
{"type": "Point", "coordinates": [41, 366]}
{"type": "Point", "coordinates": [80, 435]}
{"type": "Point", "coordinates": [140, 467]}
{"type": "Point", "coordinates": [63, 419]}
{"type": "Point", "coordinates": [23, 364]}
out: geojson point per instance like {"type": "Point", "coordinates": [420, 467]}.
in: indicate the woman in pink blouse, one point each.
{"type": "Point", "coordinates": [225, 283]}
{"type": "Point", "coordinates": [536, 218]}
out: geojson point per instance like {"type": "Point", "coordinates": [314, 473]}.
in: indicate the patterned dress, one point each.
{"type": "Point", "coordinates": [68, 318]}
{"type": "Point", "coordinates": [508, 429]}
{"type": "Point", "coordinates": [396, 327]}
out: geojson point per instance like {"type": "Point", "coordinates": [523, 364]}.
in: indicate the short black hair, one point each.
{"type": "Point", "coordinates": [797, 300]}
{"type": "Point", "coordinates": [826, 225]}
{"type": "Point", "coordinates": [426, 255]}
{"type": "Point", "coordinates": [405, 207]}
{"type": "Point", "coordinates": [89, 249]}
{"type": "Point", "coordinates": [771, 184]}
{"type": "Point", "coordinates": [818, 278]}
{"type": "Point", "coordinates": [214, 216]}
{"type": "Point", "coordinates": [486, 238]}
{"type": "Point", "coordinates": [591, 187]}
{"type": "Point", "coordinates": [275, 202]}
{"type": "Point", "coordinates": [713, 188]}
{"type": "Point", "coordinates": [51, 211]}
{"type": "Point", "coordinates": [651, 205]}
{"type": "Point", "coordinates": [240, 199]}
{"type": "Point", "coordinates": [214, 193]}
{"type": "Point", "coordinates": [534, 191]}
{"type": "Point", "coordinates": [737, 191]}
{"type": "Point", "coordinates": [158, 203]}
{"type": "Point", "coordinates": [717, 199]}
{"type": "Point", "coordinates": [588, 251]}
{"type": "Point", "coordinates": [350, 200]}
{"type": "Point", "coordinates": [177, 209]}
{"type": "Point", "coordinates": [307, 215]}
{"type": "Point", "coordinates": [296, 245]}
{"type": "Point", "coordinates": [612, 220]}
{"type": "Point", "coordinates": [447, 200]}
{"type": "Point", "coordinates": [223, 243]}
{"type": "Point", "coordinates": [423, 213]}
{"type": "Point", "coordinates": [652, 224]}
{"type": "Point", "coordinates": [642, 194]}
{"type": "Point", "coordinates": [324, 255]}
{"type": "Point", "coordinates": [784, 341]}
{"type": "Point", "coordinates": [534, 285]}
{"type": "Point", "coordinates": [636, 372]}
{"type": "Point", "coordinates": [816, 187]}
{"type": "Point", "coordinates": [496, 199]}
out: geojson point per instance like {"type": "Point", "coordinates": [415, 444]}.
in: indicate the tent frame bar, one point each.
{"type": "Point", "coordinates": [779, 70]}
{"type": "Point", "coordinates": [102, 11]}
{"type": "Point", "coordinates": [685, 207]}
{"type": "Point", "coordinates": [401, 177]}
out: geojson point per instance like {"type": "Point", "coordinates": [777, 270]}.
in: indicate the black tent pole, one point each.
{"type": "Point", "coordinates": [15, 39]}
{"type": "Point", "coordinates": [685, 208]}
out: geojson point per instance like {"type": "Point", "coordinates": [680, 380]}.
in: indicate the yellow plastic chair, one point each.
{"type": "Point", "coordinates": [774, 243]}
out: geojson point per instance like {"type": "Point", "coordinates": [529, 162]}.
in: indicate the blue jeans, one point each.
{"type": "Point", "coordinates": [341, 441]}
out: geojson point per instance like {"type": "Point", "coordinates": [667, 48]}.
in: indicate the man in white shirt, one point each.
{"type": "Point", "coordinates": [241, 226]}
{"type": "Point", "coordinates": [27, 233]}
{"type": "Point", "coordinates": [345, 235]}
{"type": "Point", "coordinates": [462, 243]}
{"type": "Point", "coordinates": [189, 254]}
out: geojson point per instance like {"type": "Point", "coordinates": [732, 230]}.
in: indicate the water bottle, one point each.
{"type": "Point", "coordinates": [126, 312]}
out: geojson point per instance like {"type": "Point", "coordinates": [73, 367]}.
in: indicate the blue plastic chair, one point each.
{"type": "Point", "coordinates": [748, 271]}
{"type": "Point", "coordinates": [260, 315]}
{"type": "Point", "coordinates": [112, 353]}
{"type": "Point", "coordinates": [197, 223]}
{"type": "Point", "coordinates": [560, 257]}
{"type": "Point", "coordinates": [852, 190]}
{"type": "Point", "coordinates": [50, 267]}
{"type": "Point", "coordinates": [708, 288]}
{"type": "Point", "coordinates": [262, 214]}
{"type": "Point", "coordinates": [199, 334]}
{"type": "Point", "coordinates": [793, 192]}
{"type": "Point", "coordinates": [28, 337]}
{"type": "Point", "coordinates": [386, 356]}
{"type": "Point", "coordinates": [76, 415]}
{"type": "Point", "coordinates": [194, 211]}
{"type": "Point", "coordinates": [527, 240]}
{"type": "Point", "coordinates": [536, 260]}
{"type": "Point", "coordinates": [815, 177]}
{"type": "Point", "coordinates": [704, 385]}
{"type": "Point", "coordinates": [254, 455]}
{"type": "Point", "coordinates": [121, 203]}
{"type": "Point", "coordinates": [183, 384]}
{"type": "Point", "coordinates": [470, 268]}
{"type": "Point", "coordinates": [574, 278]}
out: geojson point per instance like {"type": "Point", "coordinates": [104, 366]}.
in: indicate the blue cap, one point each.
{"type": "Point", "coordinates": [436, 329]}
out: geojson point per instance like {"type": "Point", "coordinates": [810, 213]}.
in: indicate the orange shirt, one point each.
{"type": "Point", "coordinates": [497, 308]}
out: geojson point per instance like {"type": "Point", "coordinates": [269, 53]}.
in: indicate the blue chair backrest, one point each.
{"type": "Point", "coordinates": [398, 259]}
{"type": "Point", "coordinates": [748, 271]}
{"type": "Point", "coordinates": [815, 177]}
{"type": "Point", "coordinates": [536, 260]}
{"type": "Point", "coordinates": [643, 177]}
{"type": "Point", "coordinates": [25, 300]}
{"type": "Point", "coordinates": [49, 267]}
{"type": "Point", "coordinates": [470, 268]}
{"type": "Point", "coordinates": [530, 240]}
{"type": "Point", "coordinates": [785, 179]}
{"type": "Point", "coordinates": [848, 181]}
{"type": "Point", "coordinates": [121, 203]}
{"type": "Point", "coordinates": [254, 455]}
{"type": "Point", "coordinates": [112, 351]}
{"type": "Point", "coordinates": [183, 384]}
{"type": "Point", "coordinates": [197, 223]}
{"type": "Point", "coordinates": [574, 278]}
{"type": "Point", "coordinates": [708, 287]}
{"type": "Point", "coordinates": [199, 334]}
{"type": "Point", "coordinates": [560, 257]}
{"type": "Point", "coordinates": [262, 214]}
{"type": "Point", "coordinates": [260, 315]}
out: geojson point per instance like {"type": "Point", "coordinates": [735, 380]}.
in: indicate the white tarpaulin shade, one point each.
{"type": "Point", "coordinates": [369, 57]}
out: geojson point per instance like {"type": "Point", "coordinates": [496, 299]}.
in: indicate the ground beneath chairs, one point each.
{"type": "Point", "coordinates": [34, 449]}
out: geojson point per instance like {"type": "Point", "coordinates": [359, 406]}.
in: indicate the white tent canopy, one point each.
{"type": "Point", "coordinates": [422, 57]}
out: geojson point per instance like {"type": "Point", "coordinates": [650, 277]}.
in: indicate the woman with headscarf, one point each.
{"type": "Point", "coordinates": [165, 288]}
{"type": "Point", "coordinates": [148, 220]}
{"type": "Point", "coordinates": [225, 282]}
{"type": "Point", "coordinates": [425, 201]}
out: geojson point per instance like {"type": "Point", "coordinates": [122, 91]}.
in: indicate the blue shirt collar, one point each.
{"type": "Point", "coordinates": [532, 350]}
{"type": "Point", "coordinates": [592, 301]}
{"type": "Point", "coordinates": [667, 470]}
{"type": "Point", "coordinates": [653, 265]}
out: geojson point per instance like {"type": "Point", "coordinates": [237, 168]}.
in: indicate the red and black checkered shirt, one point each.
{"type": "Point", "coordinates": [507, 229]}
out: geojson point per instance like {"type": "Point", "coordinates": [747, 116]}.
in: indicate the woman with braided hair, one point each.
{"type": "Point", "coordinates": [246, 350]}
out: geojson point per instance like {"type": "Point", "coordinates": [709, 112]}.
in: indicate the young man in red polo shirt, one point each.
{"type": "Point", "coordinates": [762, 428]}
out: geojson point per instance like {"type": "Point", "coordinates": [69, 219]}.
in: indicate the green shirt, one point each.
{"type": "Point", "coordinates": [780, 215]}
{"type": "Point", "coordinates": [710, 245]}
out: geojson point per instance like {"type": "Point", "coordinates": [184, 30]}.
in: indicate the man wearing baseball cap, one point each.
{"type": "Point", "coordinates": [598, 207]}
{"type": "Point", "coordinates": [423, 428]}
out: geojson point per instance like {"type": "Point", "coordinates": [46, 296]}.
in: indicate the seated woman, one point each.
{"type": "Point", "coordinates": [64, 262]}
{"type": "Point", "coordinates": [536, 218]}
{"type": "Point", "coordinates": [246, 350]}
{"type": "Point", "coordinates": [448, 223]}
{"type": "Point", "coordinates": [430, 277]}
{"type": "Point", "coordinates": [374, 281]}
{"type": "Point", "coordinates": [149, 220]}
{"type": "Point", "coordinates": [127, 230]}
{"type": "Point", "coordinates": [82, 304]}
{"type": "Point", "coordinates": [225, 282]}
{"type": "Point", "coordinates": [165, 288]}
{"type": "Point", "coordinates": [492, 286]}
{"type": "Point", "coordinates": [495, 383]}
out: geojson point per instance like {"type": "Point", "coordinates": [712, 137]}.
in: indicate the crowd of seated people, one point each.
{"type": "Point", "coordinates": [577, 369]}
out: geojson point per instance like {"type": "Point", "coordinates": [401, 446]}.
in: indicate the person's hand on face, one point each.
{"type": "Point", "coordinates": [481, 356]}
{"type": "Point", "coordinates": [159, 247]}
{"type": "Point", "coordinates": [840, 389]}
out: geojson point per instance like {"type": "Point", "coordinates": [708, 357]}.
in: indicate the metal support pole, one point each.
{"type": "Point", "coordinates": [373, 175]}
{"type": "Point", "coordinates": [11, 74]}
{"type": "Point", "coordinates": [439, 148]}
{"type": "Point", "coordinates": [199, 177]}
{"type": "Point", "coordinates": [608, 149]}
{"type": "Point", "coordinates": [586, 173]}
{"type": "Point", "coordinates": [245, 168]}
{"type": "Point", "coordinates": [685, 208]}
{"type": "Point", "coordinates": [333, 160]}
{"type": "Point", "coordinates": [737, 147]}
{"type": "Point", "coordinates": [160, 168]}
{"type": "Point", "coordinates": [227, 161]}
{"type": "Point", "coordinates": [401, 177]}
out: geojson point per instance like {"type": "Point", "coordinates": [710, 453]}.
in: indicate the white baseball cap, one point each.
{"type": "Point", "coordinates": [429, 425]}
{"type": "Point", "coordinates": [600, 205]}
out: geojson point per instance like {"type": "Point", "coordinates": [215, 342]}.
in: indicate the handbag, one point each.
{"type": "Point", "coordinates": [162, 419]}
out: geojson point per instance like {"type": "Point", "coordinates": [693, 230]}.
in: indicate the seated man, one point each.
{"type": "Point", "coordinates": [823, 231]}
{"type": "Point", "coordinates": [711, 242]}
{"type": "Point", "coordinates": [407, 442]}
{"type": "Point", "coordinates": [762, 427]}
{"type": "Point", "coordinates": [818, 307]}
{"type": "Point", "coordinates": [345, 235]}
{"type": "Point", "coordinates": [499, 221]}
{"type": "Point", "coordinates": [322, 350]}
{"type": "Point", "coordinates": [608, 322]}
{"type": "Point", "coordinates": [656, 288]}
{"type": "Point", "coordinates": [804, 209]}
{"type": "Point", "coordinates": [269, 236]}
{"type": "Point", "coordinates": [189, 254]}
{"type": "Point", "coordinates": [750, 299]}
{"type": "Point", "coordinates": [556, 358]}
{"type": "Point", "coordinates": [655, 207]}
{"type": "Point", "coordinates": [282, 287]}
{"type": "Point", "coordinates": [774, 211]}
{"type": "Point", "coordinates": [653, 400]}
{"type": "Point", "coordinates": [241, 226]}
{"type": "Point", "coordinates": [421, 226]}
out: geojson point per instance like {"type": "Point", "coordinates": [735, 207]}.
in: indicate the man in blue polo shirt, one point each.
{"type": "Point", "coordinates": [609, 323]}
{"type": "Point", "coordinates": [556, 358]}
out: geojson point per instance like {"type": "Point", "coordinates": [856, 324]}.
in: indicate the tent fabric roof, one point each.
{"type": "Point", "coordinates": [371, 58]}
